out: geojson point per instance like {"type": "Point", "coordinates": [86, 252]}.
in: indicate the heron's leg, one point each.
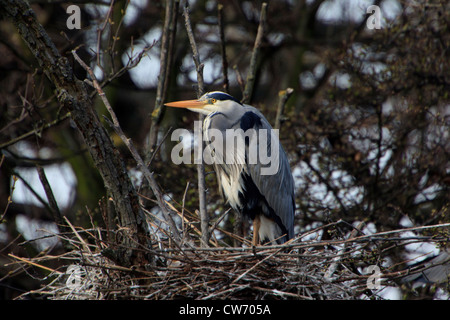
{"type": "Point", "coordinates": [256, 225]}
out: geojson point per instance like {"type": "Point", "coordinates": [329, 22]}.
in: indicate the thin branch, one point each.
{"type": "Point", "coordinates": [57, 216]}
{"type": "Point", "coordinates": [283, 98]}
{"type": "Point", "coordinates": [254, 266]}
{"type": "Point", "coordinates": [149, 162]}
{"type": "Point", "coordinates": [204, 217]}
{"type": "Point", "coordinates": [219, 219]}
{"type": "Point", "coordinates": [223, 47]}
{"type": "Point", "coordinates": [28, 261]}
{"type": "Point", "coordinates": [182, 210]}
{"type": "Point", "coordinates": [100, 33]}
{"type": "Point", "coordinates": [115, 37]}
{"type": "Point", "coordinates": [195, 55]}
{"type": "Point", "coordinates": [166, 55]}
{"type": "Point", "coordinates": [13, 187]}
{"type": "Point", "coordinates": [251, 75]}
{"type": "Point", "coordinates": [30, 188]}
{"type": "Point", "coordinates": [36, 131]}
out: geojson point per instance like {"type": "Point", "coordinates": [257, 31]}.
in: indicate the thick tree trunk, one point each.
{"type": "Point", "coordinates": [73, 95]}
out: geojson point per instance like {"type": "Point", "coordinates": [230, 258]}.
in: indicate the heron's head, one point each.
{"type": "Point", "coordinates": [209, 102]}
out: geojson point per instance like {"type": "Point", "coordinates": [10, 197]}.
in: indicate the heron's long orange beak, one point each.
{"type": "Point", "coordinates": [186, 104]}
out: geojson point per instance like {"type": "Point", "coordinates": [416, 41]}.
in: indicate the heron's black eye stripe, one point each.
{"type": "Point", "coordinates": [222, 96]}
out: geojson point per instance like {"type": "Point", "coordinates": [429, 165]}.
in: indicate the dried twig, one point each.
{"type": "Point", "coordinates": [83, 243]}
{"type": "Point", "coordinates": [256, 265]}
{"type": "Point", "coordinates": [34, 263]}
{"type": "Point", "coordinates": [204, 216]}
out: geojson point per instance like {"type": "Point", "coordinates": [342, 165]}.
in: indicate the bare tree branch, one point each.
{"type": "Point", "coordinates": [226, 85]}
{"type": "Point", "coordinates": [50, 196]}
{"type": "Point", "coordinates": [166, 56]}
{"type": "Point", "coordinates": [36, 131]}
{"type": "Point", "coordinates": [283, 98]}
{"type": "Point", "coordinates": [251, 76]}
{"type": "Point", "coordinates": [72, 94]}
{"type": "Point", "coordinates": [204, 217]}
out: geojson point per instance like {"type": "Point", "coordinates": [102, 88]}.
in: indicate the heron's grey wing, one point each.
{"type": "Point", "coordinates": [275, 184]}
{"type": "Point", "coordinates": [240, 172]}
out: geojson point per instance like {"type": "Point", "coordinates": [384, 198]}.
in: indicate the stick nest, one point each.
{"type": "Point", "coordinates": [299, 269]}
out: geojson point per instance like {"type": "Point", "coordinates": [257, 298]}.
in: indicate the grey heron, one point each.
{"type": "Point", "coordinates": [267, 199]}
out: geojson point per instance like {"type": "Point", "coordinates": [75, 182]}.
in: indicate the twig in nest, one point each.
{"type": "Point", "coordinates": [34, 264]}
{"type": "Point", "coordinates": [257, 264]}
{"type": "Point", "coordinates": [219, 219]}
{"type": "Point", "coordinates": [280, 272]}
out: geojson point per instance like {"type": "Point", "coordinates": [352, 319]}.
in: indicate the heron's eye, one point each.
{"type": "Point", "coordinates": [212, 101]}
